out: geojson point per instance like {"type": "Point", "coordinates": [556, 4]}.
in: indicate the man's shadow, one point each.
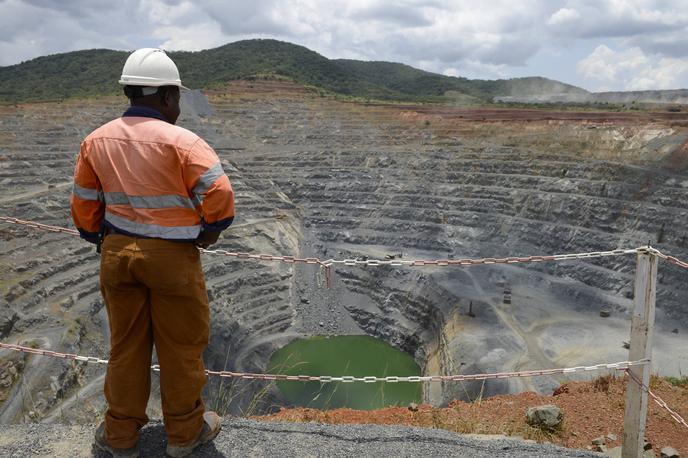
{"type": "Point", "coordinates": [153, 442]}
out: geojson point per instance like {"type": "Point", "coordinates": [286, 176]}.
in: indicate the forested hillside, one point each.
{"type": "Point", "coordinates": [95, 72]}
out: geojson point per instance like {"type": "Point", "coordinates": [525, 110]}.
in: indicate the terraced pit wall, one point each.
{"type": "Point", "coordinates": [332, 179]}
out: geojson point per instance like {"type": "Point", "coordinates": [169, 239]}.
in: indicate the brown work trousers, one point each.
{"type": "Point", "coordinates": [154, 293]}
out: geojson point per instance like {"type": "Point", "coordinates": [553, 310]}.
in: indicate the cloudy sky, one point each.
{"type": "Point", "coordinates": [595, 44]}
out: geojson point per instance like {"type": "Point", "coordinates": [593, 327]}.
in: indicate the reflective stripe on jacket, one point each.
{"type": "Point", "coordinates": [144, 176]}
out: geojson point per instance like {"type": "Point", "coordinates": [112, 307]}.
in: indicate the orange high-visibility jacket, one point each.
{"type": "Point", "coordinates": [143, 176]}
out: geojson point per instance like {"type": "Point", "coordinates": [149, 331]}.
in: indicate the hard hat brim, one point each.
{"type": "Point", "coordinates": [149, 82]}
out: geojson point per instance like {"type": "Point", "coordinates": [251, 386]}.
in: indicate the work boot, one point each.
{"type": "Point", "coordinates": [211, 428]}
{"type": "Point", "coordinates": [102, 444]}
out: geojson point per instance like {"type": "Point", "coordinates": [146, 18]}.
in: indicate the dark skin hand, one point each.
{"type": "Point", "coordinates": [207, 238]}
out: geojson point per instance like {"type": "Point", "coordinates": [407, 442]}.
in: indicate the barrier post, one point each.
{"type": "Point", "coordinates": [642, 326]}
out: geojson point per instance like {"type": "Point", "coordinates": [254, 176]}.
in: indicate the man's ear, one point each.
{"type": "Point", "coordinates": [170, 96]}
{"type": "Point", "coordinates": [164, 96]}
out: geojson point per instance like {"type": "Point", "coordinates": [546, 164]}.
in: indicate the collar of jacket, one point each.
{"type": "Point", "coordinates": [144, 112]}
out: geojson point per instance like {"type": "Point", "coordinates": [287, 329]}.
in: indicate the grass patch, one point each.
{"type": "Point", "coordinates": [681, 381]}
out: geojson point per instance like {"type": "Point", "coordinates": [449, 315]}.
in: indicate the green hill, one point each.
{"type": "Point", "coordinates": [408, 80]}
{"type": "Point", "coordinates": [95, 72]}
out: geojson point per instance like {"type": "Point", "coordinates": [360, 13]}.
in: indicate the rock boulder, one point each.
{"type": "Point", "coordinates": [545, 416]}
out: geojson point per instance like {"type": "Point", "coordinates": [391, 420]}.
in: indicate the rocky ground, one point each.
{"type": "Point", "coordinates": [335, 179]}
{"type": "Point", "coordinates": [240, 438]}
{"type": "Point", "coordinates": [593, 416]}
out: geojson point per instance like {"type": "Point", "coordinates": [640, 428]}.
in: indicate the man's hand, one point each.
{"type": "Point", "coordinates": [206, 238]}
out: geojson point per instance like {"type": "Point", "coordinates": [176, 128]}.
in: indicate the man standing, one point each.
{"type": "Point", "coordinates": [151, 192]}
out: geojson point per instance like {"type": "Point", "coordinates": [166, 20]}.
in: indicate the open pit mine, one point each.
{"type": "Point", "coordinates": [326, 178]}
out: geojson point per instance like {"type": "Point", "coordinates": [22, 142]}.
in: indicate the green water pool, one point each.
{"type": "Point", "coordinates": [345, 355]}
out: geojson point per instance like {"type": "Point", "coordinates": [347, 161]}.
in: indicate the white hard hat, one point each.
{"type": "Point", "coordinates": [150, 67]}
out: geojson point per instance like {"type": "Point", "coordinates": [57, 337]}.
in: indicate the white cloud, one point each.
{"type": "Point", "coordinates": [198, 37]}
{"type": "Point", "coordinates": [563, 16]}
{"type": "Point", "coordinates": [665, 74]}
{"type": "Point", "coordinates": [407, 30]}
{"type": "Point", "coordinates": [605, 64]}
{"type": "Point", "coordinates": [500, 38]}
{"type": "Point", "coordinates": [30, 29]}
{"type": "Point", "coordinates": [632, 69]}
{"type": "Point", "coordinates": [618, 18]}
{"type": "Point", "coordinates": [477, 70]}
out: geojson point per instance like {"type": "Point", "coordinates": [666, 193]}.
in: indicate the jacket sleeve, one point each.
{"type": "Point", "coordinates": [209, 187]}
{"type": "Point", "coordinates": [86, 202]}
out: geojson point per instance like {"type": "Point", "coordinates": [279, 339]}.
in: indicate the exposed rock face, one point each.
{"type": "Point", "coordinates": [327, 179]}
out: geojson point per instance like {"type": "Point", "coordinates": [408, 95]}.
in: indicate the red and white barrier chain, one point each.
{"type": "Point", "coordinates": [623, 365]}
{"type": "Point", "coordinates": [429, 378]}
{"type": "Point", "coordinates": [327, 265]}
{"type": "Point", "coordinates": [52, 354]}
{"type": "Point", "coordinates": [391, 262]}
{"type": "Point", "coordinates": [660, 402]}
{"type": "Point", "coordinates": [44, 227]}
{"type": "Point", "coordinates": [671, 259]}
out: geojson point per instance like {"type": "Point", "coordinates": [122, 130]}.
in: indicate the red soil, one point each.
{"type": "Point", "coordinates": [591, 409]}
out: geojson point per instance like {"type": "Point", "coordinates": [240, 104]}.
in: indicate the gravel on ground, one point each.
{"type": "Point", "coordinates": [242, 437]}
